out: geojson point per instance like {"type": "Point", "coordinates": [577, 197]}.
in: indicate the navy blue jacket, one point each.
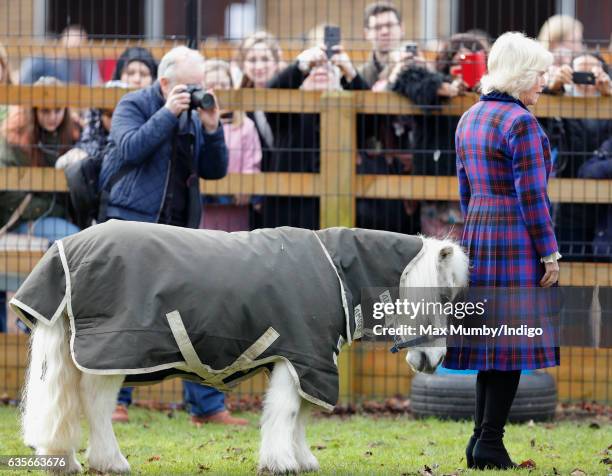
{"type": "Point", "coordinates": [142, 133]}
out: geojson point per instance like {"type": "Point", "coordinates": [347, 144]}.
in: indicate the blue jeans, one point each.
{"type": "Point", "coordinates": [52, 228]}
{"type": "Point", "coordinates": [201, 400]}
{"type": "Point", "coordinates": [125, 396]}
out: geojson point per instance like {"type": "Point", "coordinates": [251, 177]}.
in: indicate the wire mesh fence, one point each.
{"type": "Point", "coordinates": [334, 112]}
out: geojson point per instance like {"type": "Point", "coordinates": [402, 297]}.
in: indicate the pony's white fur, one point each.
{"type": "Point", "coordinates": [57, 393]}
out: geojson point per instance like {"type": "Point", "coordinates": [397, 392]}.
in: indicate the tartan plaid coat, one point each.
{"type": "Point", "coordinates": [503, 165]}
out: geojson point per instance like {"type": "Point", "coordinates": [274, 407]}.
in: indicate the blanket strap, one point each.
{"type": "Point", "coordinates": [187, 350]}
{"type": "Point", "coordinates": [205, 372]}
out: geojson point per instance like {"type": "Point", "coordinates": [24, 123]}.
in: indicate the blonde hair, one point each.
{"type": "Point", "coordinates": [220, 66]}
{"type": "Point", "coordinates": [558, 28]}
{"type": "Point", "coordinates": [256, 38]}
{"type": "Point", "coordinates": [514, 64]}
{"type": "Point", "coordinates": [259, 37]}
{"type": "Point", "coordinates": [6, 71]}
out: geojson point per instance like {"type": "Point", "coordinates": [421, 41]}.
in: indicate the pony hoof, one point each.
{"type": "Point", "coordinates": [277, 467]}
{"type": "Point", "coordinates": [119, 466]}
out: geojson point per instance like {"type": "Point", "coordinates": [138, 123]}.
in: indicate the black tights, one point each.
{"type": "Point", "coordinates": [495, 391]}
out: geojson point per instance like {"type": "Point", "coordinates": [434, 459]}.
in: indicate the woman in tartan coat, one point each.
{"type": "Point", "coordinates": [503, 164]}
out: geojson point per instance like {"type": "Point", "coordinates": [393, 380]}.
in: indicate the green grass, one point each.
{"type": "Point", "coordinates": [157, 444]}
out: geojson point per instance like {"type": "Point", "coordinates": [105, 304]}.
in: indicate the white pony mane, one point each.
{"type": "Point", "coordinates": [439, 269]}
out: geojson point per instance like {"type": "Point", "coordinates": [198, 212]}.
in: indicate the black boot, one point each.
{"type": "Point", "coordinates": [478, 416]}
{"type": "Point", "coordinates": [489, 450]}
{"type": "Point", "coordinates": [491, 454]}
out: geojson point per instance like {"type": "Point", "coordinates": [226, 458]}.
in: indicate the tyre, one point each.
{"type": "Point", "coordinates": [452, 396]}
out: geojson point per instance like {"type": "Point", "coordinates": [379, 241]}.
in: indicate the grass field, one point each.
{"type": "Point", "coordinates": [156, 443]}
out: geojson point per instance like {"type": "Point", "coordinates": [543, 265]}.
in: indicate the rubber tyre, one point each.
{"type": "Point", "coordinates": [452, 396]}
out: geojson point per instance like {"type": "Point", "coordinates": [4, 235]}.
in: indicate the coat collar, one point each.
{"type": "Point", "coordinates": [503, 97]}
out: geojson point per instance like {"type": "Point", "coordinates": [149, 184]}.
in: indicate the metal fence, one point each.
{"type": "Point", "coordinates": [331, 156]}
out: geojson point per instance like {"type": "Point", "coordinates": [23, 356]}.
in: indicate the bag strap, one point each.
{"type": "Point", "coordinates": [16, 215]}
{"type": "Point", "coordinates": [190, 139]}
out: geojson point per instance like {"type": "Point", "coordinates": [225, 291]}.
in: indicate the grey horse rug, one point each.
{"type": "Point", "coordinates": [153, 301]}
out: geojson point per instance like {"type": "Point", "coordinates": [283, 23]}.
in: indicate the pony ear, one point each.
{"type": "Point", "coordinates": [446, 253]}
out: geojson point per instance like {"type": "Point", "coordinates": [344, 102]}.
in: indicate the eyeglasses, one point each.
{"type": "Point", "coordinates": [384, 25]}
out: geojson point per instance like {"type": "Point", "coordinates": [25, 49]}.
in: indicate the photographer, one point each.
{"type": "Point", "coordinates": [163, 138]}
{"type": "Point", "coordinates": [164, 145]}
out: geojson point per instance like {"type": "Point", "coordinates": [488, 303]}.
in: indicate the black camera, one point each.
{"type": "Point", "coordinates": [200, 98]}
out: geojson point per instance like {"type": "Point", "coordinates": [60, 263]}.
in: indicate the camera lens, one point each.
{"type": "Point", "coordinates": [208, 101]}
{"type": "Point", "coordinates": [200, 98]}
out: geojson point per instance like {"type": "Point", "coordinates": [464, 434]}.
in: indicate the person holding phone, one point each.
{"type": "Point", "coordinates": [590, 77]}
{"type": "Point", "coordinates": [586, 76]}
{"type": "Point", "coordinates": [408, 54]}
{"type": "Point", "coordinates": [297, 137]}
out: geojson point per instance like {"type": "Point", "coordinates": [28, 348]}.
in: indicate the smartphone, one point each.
{"type": "Point", "coordinates": [583, 77]}
{"type": "Point", "coordinates": [412, 48]}
{"type": "Point", "coordinates": [331, 38]}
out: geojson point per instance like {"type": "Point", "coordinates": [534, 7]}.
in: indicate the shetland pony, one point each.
{"type": "Point", "coordinates": [57, 393]}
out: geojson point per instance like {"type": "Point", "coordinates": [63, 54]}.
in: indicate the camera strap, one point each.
{"type": "Point", "coordinates": [181, 158]}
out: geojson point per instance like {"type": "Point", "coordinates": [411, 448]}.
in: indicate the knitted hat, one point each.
{"type": "Point", "coordinates": [135, 53]}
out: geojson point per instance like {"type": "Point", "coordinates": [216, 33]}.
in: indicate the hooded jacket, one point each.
{"type": "Point", "coordinates": [141, 138]}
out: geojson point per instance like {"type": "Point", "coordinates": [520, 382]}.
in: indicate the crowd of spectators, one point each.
{"type": "Point", "coordinates": [262, 141]}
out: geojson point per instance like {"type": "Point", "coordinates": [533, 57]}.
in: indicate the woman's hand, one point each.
{"type": "Point", "coordinates": [551, 276]}
{"type": "Point", "coordinates": [310, 58]}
